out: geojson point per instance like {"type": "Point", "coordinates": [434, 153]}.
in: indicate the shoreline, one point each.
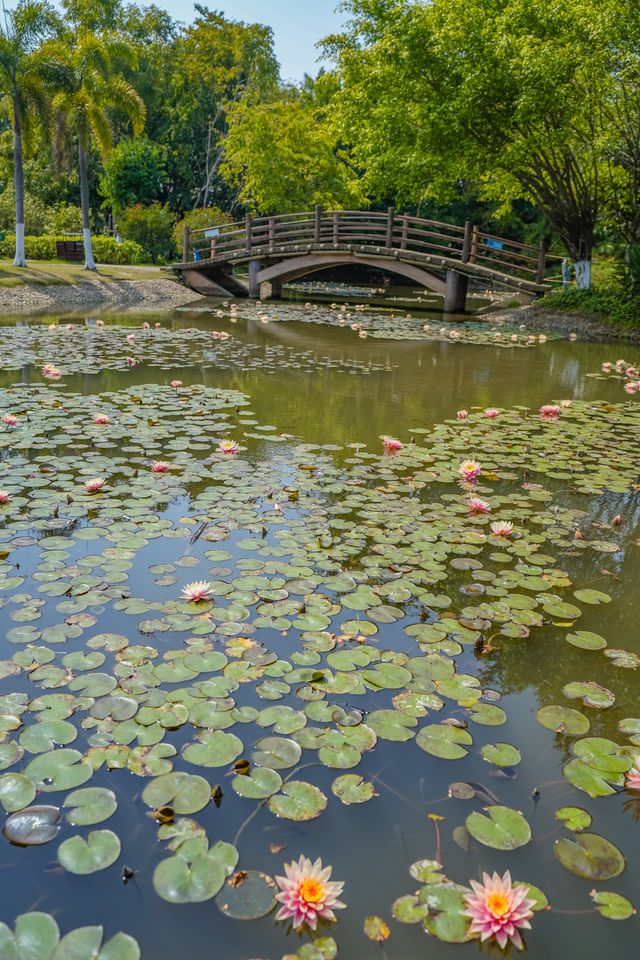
{"type": "Point", "coordinates": [34, 299]}
{"type": "Point", "coordinates": [537, 317]}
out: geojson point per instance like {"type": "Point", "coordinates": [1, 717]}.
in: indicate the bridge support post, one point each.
{"type": "Point", "coordinates": [455, 297]}
{"type": "Point", "coordinates": [254, 287]}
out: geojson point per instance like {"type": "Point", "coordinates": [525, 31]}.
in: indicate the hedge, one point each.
{"type": "Point", "coordinates": [105, 249]}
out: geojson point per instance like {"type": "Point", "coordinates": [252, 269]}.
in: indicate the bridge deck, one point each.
{"type": "Point", "coordinates": [388, 236]}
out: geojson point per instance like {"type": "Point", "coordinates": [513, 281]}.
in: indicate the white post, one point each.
{"type": "Point", "coordinates": [583, 274]}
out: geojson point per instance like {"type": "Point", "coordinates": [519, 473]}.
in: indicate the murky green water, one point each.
{"type": "Point", "coordinates": [301, 504]}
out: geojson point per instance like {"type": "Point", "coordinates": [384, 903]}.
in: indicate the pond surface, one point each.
{"type": "Point", "coordinates": [362, 622]}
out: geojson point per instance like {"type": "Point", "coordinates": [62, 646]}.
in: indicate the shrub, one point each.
{"type": "Point", "coordinates": [63, 218]}
{"type": "Point", "coordinates": [198, 220]}
{"type": "Point", "coordinates": [105, 249]}
{"type": "Point", "coordinates": [151, 227]}
{"type": "Point", "coordinates": [609, 303]}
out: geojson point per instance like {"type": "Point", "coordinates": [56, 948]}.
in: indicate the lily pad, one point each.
{"type": "Point", "coordinates": [298, 801]}
{"type": "Point", "coordinates": [247, 895]}
{"type": "Point", "coordinates": [352, 788]}
{"type": "Point", "coordinates": [590, 856]}
{"type": "Point", "coordinates": [100, 850]}
{"type": "Point", "coordinates": [90, 805]}
{"type": "Point", "coordinates": [502, 829]}
{"type": "Point", "coordinates": [182, 879]}
{"type": "Point", "coordinates": [441, 740]}
{"type": "Point", "coordinates": [612, 905]}
{"type": "Point", "coordinates": [33, 825]}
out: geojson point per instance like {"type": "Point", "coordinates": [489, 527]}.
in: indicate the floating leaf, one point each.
{"type": "Point", "coordinates": [444, 741]}
{"type": "Point", "coordinates": [33, 825]}
{"type": "Point", "coordinates": [298, 801]}
{"type": "Point", "coordinates": [16, 791]}
{"type": "Point", "coordinates": [181, 880]}
{"type": "Point", "coordinates": [502, 829]}
{"type": "Point", "coordinates": [90, 805]}
{"type": "Point", "coordinates": [185, 792]}
{"type": "Point", "coordinates": [100, 850]}
{"type": "Point", "coordinates": [574, 818]}
{"type": "Point", "coordinates": [501, 754]}
{"type": "Point", "coordinates": [612, 905]}
{"type": "Point", "coordinates": [352, 788]}
{"type": "Point", "coordinates": [376, 929]}
{"type": "Point", "coordinates": [564, 720]}
{"type": "Point", "coordinates": [590, 856]}
{"type": "Point", "coordinates": [247, 896]}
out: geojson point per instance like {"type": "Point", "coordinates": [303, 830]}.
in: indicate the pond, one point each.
{"type": "Point", "coordinates": [414, 657]}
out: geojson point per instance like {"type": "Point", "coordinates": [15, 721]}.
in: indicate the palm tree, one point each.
{"type": "Point", "coordinates": [26, 72]}
{"type": "Point", "coordinates": [83, 107]}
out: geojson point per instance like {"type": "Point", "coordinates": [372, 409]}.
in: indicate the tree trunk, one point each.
{"type": "Point", "coordinates": [18, 176]}
{"type": "Point", "coordinates": [89, 262]}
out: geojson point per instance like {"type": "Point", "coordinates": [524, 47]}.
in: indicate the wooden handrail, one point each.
{"type": "Point", "coordinates": [337, 229]}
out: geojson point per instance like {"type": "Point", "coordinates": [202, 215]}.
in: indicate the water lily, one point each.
{"type": "Point", "coordinates": [146, 326]}
{"type": "Point", "coordinates": [99, 323]}
{"type": "Point", "coordinates": [470, 470]}
{"type": "Point", "coordinates": [502, 528]}
{"type": "Point", "coordinates": [10, 419]}
{"type": "Point", "coordinates": [228, 446]}
{"type": "Point", "coordinates": [632, 776]}
{"type": "Point", "coordinates": [50, 371]}
{"type": "Point", "coordinates": [491, 413]}
{"type": "Point", "coordinates": [476, 505]}
{"type": "Point", "coordinates": [160, 466]}
{"type": "Point", "coordinates": [630, 372]}
{"type": "Point", "coordinates": [607, 367]}
{"type": "Point", "coordinates": [101, 418]}
{"type": "Point", "coordinates": [306, 893]}
{"type": "Point", "coordinates": [391, 443]}
{"type": "Point", "coordinates": [95, 484]}
{"type": "Point", "coordinates": [630, 387]}
{"type": "Point", "coordinates": [175, 384]}
{"type": "Point", "coordinates": [131, 362]}
{"type": "Point", "coordinates": [498, 910]}
{"type": "Point", "coordinates": [131, 337]}
{"type": "Point", "coordinates": [549, 411]}
{"type": "Point", "coordinates": [197, 591]}
{"type": "Point", "coordinates": [5, 497]}
{"type": "Point", "coordinates": [462, 414]}
{"type": "Point", "coordinates": [69, 326]}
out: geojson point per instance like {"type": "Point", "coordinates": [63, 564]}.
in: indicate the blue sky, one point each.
{"type": "Point", "coordinates": [297, 26]}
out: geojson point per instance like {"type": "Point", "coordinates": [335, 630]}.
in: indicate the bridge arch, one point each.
{"type": "Point", "coordinates": [297, 267]}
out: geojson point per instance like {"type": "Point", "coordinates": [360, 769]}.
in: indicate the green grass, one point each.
{"type": "Point", "coordinates": [51, 273]}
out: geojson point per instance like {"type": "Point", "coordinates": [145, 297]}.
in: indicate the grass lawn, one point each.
{"type": "Point", "coordinates": [56, 272]}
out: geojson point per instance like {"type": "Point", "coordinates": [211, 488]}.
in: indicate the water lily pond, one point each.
{"type": "Point", "coordinates": [295, 581]}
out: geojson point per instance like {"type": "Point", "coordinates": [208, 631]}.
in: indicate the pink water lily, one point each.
{"type": "Point", "coordinates": [95, 484]}
{"type": "Point", "coordinates": [131, 337]}
{"type": "Point", "coordinates": [502, 528]}
{"type": "Point", "coordinates": [146, 326]}
{"type": "Point", "coordinates": [160, 466]}
{"type": "Point", "coordinates": [470, 470]}
{"type": "Point", "coordinates": [175, 384]}
{"type": "Point", "coordinates": [131, 362]}
{"type": "Point", "coordinates": [462, 414]}
{"type": "Point", "coordinates": [228, 446]}
{"type": "Point", "coordinates": [549, 411]}
{"type": "Point", "coordinates": [10, 419]}
{"type": "Point", "coordinates": [498, 910]}
{"type": "Point", "coordinates": [306, 893]}
{"type": "Point", "coordinates": [476, 505]}
{"type": "Point", "coordinates": [197, 591]}
{"type": "Point", "coordinates": [631, 387]}
{"type": "Point", "coordinates": [491, 413]}
{"type": "Point", "coordinates": [5, 497]}
{"type": "Point", "coordinates": [390, 443]}
{"type": "Point", "coordinates": [607, 367]}
{"type": "Point", "coordinates": [632, 776]}
{"type": "Point", "coordinates": [50, 371]}
{"type": "Point", "coordinates": [101, 418]}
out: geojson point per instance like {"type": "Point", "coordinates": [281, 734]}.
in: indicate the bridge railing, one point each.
{"type": "Point", "coordinates": [381, 233]}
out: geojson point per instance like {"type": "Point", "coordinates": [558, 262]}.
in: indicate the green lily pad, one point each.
{"type": "Point", "coordinates": [442, 740]}
{"type": "Point", "coordinates": [563, 720]}
{"type": "Point", "coordinates": [90, 805]}
{"type": "Point", "coordinates": [590, 856]}
{"type": "Point", "coordinates": [298, 801]}
{"type": "Point", "coordinates": [216, 749]}
{"type": "Point", "coordinates": [591, 694]}
{"type": "Point", "coordinates": [100, 850]}
{"type": "Point", "coordinates": [574, 818]}
{"type": "Point", "coordinates": [181, 880]}
{"type": "Point", "coordinates": [16, 791]}
{"type": "Point", "coordinates": [277, 753]}
{"type": "Point", "coordinates": [586, 640]}
{"type": "Point", "coordinates": [501, 754]}
{"type": "Point", "coordinates": [248, 896]}
{"type": "Point", "coordinates": [352, 788]}
{"type": "Point", "coordinates": [502, 829]}
{"type": "Point", "coordinates": [59, 770]}
{"type": "Point", "coordinates": [185, 792]}
{"type": "Point", "coordinates": [612, 905]}
{"type": "Point", "coordinates": [260, 783]}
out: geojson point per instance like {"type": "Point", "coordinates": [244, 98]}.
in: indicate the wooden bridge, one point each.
{"type": "Point", "coordinates": [439, 256]}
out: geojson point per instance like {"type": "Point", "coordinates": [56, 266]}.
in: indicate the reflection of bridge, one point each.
{"type": "Point", "coordinates": [439, 256]}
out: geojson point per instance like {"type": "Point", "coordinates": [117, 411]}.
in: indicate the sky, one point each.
{"type": "Point", "coordinates": [297, 26]}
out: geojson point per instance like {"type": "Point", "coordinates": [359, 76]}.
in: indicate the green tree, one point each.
{"type": "Point", "coordinates": [282, 158]}
{"type": "Point", "coordinates": [151, 227]}
{"type": "Point", "coordinates": [503, 93]}
{"type": "Point", "coordinates": [84, 107]}
{"type": "Point", "coordinates": [26, 72]}
{"type": "Point", "coordinates": [134, 172]}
